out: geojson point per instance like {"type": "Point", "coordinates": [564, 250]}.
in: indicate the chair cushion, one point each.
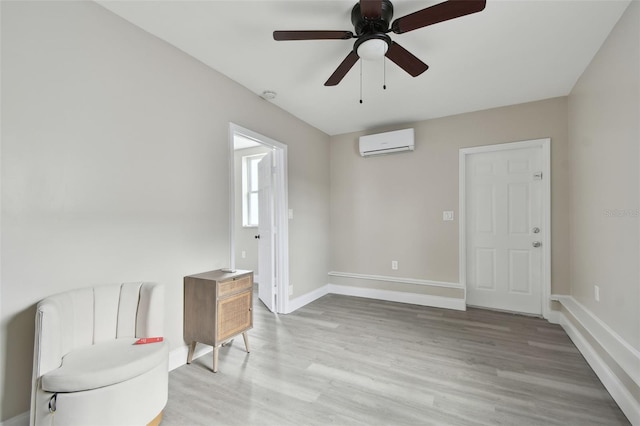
{"type": "Point", "coordinates": [104, 364]}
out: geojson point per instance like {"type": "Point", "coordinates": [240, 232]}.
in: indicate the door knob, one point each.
{"type": "Point", "coordinates": [257, 237]}
{"type": "Point", "coordinates": [537, 244]}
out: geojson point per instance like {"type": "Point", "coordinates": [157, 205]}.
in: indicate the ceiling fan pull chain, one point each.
{"type": "Point", "coordinates": [384, 74]}
{"type": "Point", "coordinates": [360, 80]}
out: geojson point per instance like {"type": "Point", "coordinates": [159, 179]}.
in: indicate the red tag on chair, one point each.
{"type": "Point", "coordinates": [145, 340]}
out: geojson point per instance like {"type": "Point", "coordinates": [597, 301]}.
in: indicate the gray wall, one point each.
{"type": "Point", "coordinates": [390, 207]}
{"type": "Point", "coordinates": [604, 135]}
{"type": "Point", "coordinates": [115, 167]}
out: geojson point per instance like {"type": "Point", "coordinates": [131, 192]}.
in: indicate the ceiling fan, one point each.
{"type": "Point", "coordinates": [372, 23]}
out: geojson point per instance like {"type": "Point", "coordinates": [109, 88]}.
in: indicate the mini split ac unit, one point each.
{"type": "Point", "coordinates": [387, 143]}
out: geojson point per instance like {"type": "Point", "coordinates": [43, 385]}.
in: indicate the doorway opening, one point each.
{"type": "Point", "coordinates": [258, 213]}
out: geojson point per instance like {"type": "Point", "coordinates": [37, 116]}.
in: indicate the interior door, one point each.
{"type": "Point", "coordinates": [266, 229]}
{"type": "Point", "coordinates": [503, 220]}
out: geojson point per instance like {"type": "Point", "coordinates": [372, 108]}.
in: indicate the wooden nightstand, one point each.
{"type": "Point", "coordinates": [217, 307]}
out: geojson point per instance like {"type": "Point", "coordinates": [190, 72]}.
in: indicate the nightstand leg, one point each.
{"type": "Point", "coordinates": [246, 341]}
{"type": "Point", "coordinates": [215, 359]}
{"type": "Point", "coordinates": [192, 349]}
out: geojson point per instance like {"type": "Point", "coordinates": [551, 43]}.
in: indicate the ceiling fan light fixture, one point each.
{"type": "Point", "coordinates": [373, 48]}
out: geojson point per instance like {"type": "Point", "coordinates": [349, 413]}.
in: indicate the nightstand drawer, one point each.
{"type": "Point", "coordinates": [234, 286]}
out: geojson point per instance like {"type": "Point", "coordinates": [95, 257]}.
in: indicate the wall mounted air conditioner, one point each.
{"type": "Point", "coordinates": [387, 143]}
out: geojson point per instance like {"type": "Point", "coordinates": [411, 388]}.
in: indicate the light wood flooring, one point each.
{"type": "Point", "coordinates": [352, 361]}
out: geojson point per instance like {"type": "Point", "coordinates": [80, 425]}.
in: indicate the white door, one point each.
{"type": "Point", "coordinates": [266, 230]}
{"type": "Point", "coordinates": [504, 256]}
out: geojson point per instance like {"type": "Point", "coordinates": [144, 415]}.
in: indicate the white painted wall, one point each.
{"type": "Point", "coordinates": [115, 168]}
{"type": "Point", "coordinates": [604, 141]}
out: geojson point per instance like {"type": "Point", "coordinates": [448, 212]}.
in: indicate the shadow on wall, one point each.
{"type": "Point", "coordinates": [19, 363]}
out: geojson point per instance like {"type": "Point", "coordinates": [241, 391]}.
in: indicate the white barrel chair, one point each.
{"type": "Point", "coordinates": [87, 369]}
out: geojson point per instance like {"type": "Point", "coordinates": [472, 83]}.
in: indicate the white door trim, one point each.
{"type": "Point", "coordinates": [545, 144]}
{"type": "Point", "coordinates": [281, 208]}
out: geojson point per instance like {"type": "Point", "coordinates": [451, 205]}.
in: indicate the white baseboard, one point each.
{"type": "Point", "coordinates": [618, 348]}
{"type": "Point", "coordinates": [178, 356]}
{"type": "Point", "coordinates": [400, 296]}
{"type": "Point", "coordinates": [369, 293]}
{"type": "Point", "coordinates": [623, 397]}
{"type": "Point", "coordinates": [305, 299]}
{"type": "Point", "coordinates": [554, 317]}
{"type": "Point", "coordinates": [19, 420]}
{"type": "Point", "coordinates": [385, 278]}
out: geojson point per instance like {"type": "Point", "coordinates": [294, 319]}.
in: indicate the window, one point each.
{"type": "Point", "coordinates": [250, 189]}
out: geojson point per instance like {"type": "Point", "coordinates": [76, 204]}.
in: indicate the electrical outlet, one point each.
{"type": "Point", "coordinates": [290, 290]}
{"type": "Point", "coordinates": [394, 265]}
{"type": "Point", "coordinates": [596, 293]}
{"type": "Point", "coordinates": [447, 215]}
{"type": "Point", "coordinates": [244, 254]}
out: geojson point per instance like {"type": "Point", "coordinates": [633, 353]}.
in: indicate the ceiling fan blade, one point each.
{"type": "Point", "coordinates": [312, 35]}
{"type": "Point", "coordinates": [440, 12]}
{"type": "Point", "coordinates": [342, 69]}
{"type": "Point", "coordinates": [371, 9]}
{"type": "Point", "coordinates": [406, 60]}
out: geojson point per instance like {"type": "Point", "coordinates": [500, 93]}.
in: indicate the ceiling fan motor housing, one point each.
{"type": "Point", "coordinates": [363, 25]}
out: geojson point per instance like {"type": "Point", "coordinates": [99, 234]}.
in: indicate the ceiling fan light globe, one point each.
{"type": "Point", "coordinates": [372, 49]}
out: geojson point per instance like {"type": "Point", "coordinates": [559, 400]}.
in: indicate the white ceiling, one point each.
{"type": "Point", "coordinates": [512, 52]}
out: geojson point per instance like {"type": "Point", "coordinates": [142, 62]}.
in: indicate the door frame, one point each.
{"type": "Point", "coordinates": [545, 144]}
{"type": "Point", "coordinates": [281, 203]}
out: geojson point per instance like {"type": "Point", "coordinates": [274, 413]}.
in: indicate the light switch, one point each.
{"type": "Point", "coordinates": [448, 215]}
{"type": "Point", "coordinates": [290, 213]}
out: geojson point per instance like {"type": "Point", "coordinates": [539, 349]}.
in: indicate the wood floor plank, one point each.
{"type": "Point", "coordinates": [352, 361]}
